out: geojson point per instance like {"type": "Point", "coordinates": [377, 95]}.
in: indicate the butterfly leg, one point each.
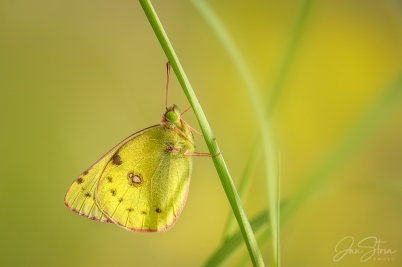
{"type": "Point", "coordinates": [198, 154]}
{"type": "Point", "coordinates": [192, 129]}
{"type": "Point", "coordinates": [182, 134]}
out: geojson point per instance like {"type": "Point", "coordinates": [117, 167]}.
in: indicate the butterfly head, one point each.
{"type": "Point", "coordinates": [172, 119]}
{"type": "Point", "coordinates": [171, 116]}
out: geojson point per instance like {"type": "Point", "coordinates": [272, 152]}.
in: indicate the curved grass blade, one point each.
{"type": "Point", "coordinates": [278, 223]}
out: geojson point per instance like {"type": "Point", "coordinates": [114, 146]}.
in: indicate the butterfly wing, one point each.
{"type": "Point", "coordinates": [144, 186]}
{"type": "Point", "coordinates": [80, 197]}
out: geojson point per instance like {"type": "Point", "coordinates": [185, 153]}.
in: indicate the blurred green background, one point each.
{"type": "Point", "coordinates": [77, 77]}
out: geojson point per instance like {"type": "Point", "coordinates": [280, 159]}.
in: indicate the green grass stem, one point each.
{"type": "Point", "coordinates": [278, 223]}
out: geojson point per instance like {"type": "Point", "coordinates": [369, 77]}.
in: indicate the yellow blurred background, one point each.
{"type": "Point", "coordinates": [77, 77]}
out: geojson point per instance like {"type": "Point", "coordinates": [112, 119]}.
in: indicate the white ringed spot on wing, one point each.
{"type": "Point", "coordinates": [134, 179]}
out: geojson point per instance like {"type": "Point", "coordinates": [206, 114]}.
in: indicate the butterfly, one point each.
{"type": "Point", "coordinates": [142, 183]}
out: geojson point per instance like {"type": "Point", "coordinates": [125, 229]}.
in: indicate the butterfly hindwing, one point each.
{"type": "Point", "coordinates": [80, 197]}
{"type": "Point", "coordinates": [144, 185]}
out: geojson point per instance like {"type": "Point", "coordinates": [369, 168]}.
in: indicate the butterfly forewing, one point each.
{"type": "Point", "coordinates": [80, 197]}
{"type": "Point", "coordinates": [144, 185]}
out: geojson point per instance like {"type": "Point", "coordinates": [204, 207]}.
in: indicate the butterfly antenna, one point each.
{"type": "Point", "coordinates": [185, 110]}
{"type": "Point", "coordinates": [167, 82]}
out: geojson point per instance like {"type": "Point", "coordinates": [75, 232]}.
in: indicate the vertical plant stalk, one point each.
{"type": "Point", "coordinates": [278, 223]}
{"type": "Point", "coordinates": [219, 162]}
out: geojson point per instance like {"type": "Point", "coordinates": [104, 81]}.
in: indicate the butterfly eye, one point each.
{"type": "Point", "coordinates": [172, 116]}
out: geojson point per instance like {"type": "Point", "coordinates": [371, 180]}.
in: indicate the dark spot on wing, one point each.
{"type": "Point", "coordinates": [120, 199]}
{"type": "Point", "coordinates": [143, 212]}
{"type": "Point", "coordinates": [85, 172]}
{"type": "Point", "coordinates": [80, 180]}
{"type": "Point", "coordinates": [130, 209]}
{"type": "Point", "coordinates": [87, 194]}
{"type": "Point", "coordinates": [158, 210]}
{"type": "Point", "coordinates": [134, 179]}
{"type": "Point", "coordinates": [109, 179]}
{"type": "Point", "coordinates": [113, 192]}
{"type": "Point", "coordinates": [116, 160]}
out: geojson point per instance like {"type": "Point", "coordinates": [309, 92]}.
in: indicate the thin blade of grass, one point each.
{"type": "Point", "coordinates": [279, 213]}
{"type": "Point", "coordinates": [212, 145]}
{"type": "Point", "coordinates": [289, 55]}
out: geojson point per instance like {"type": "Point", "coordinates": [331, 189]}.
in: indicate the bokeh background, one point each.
{"type": "Point", "coordinates": [77, 77]}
